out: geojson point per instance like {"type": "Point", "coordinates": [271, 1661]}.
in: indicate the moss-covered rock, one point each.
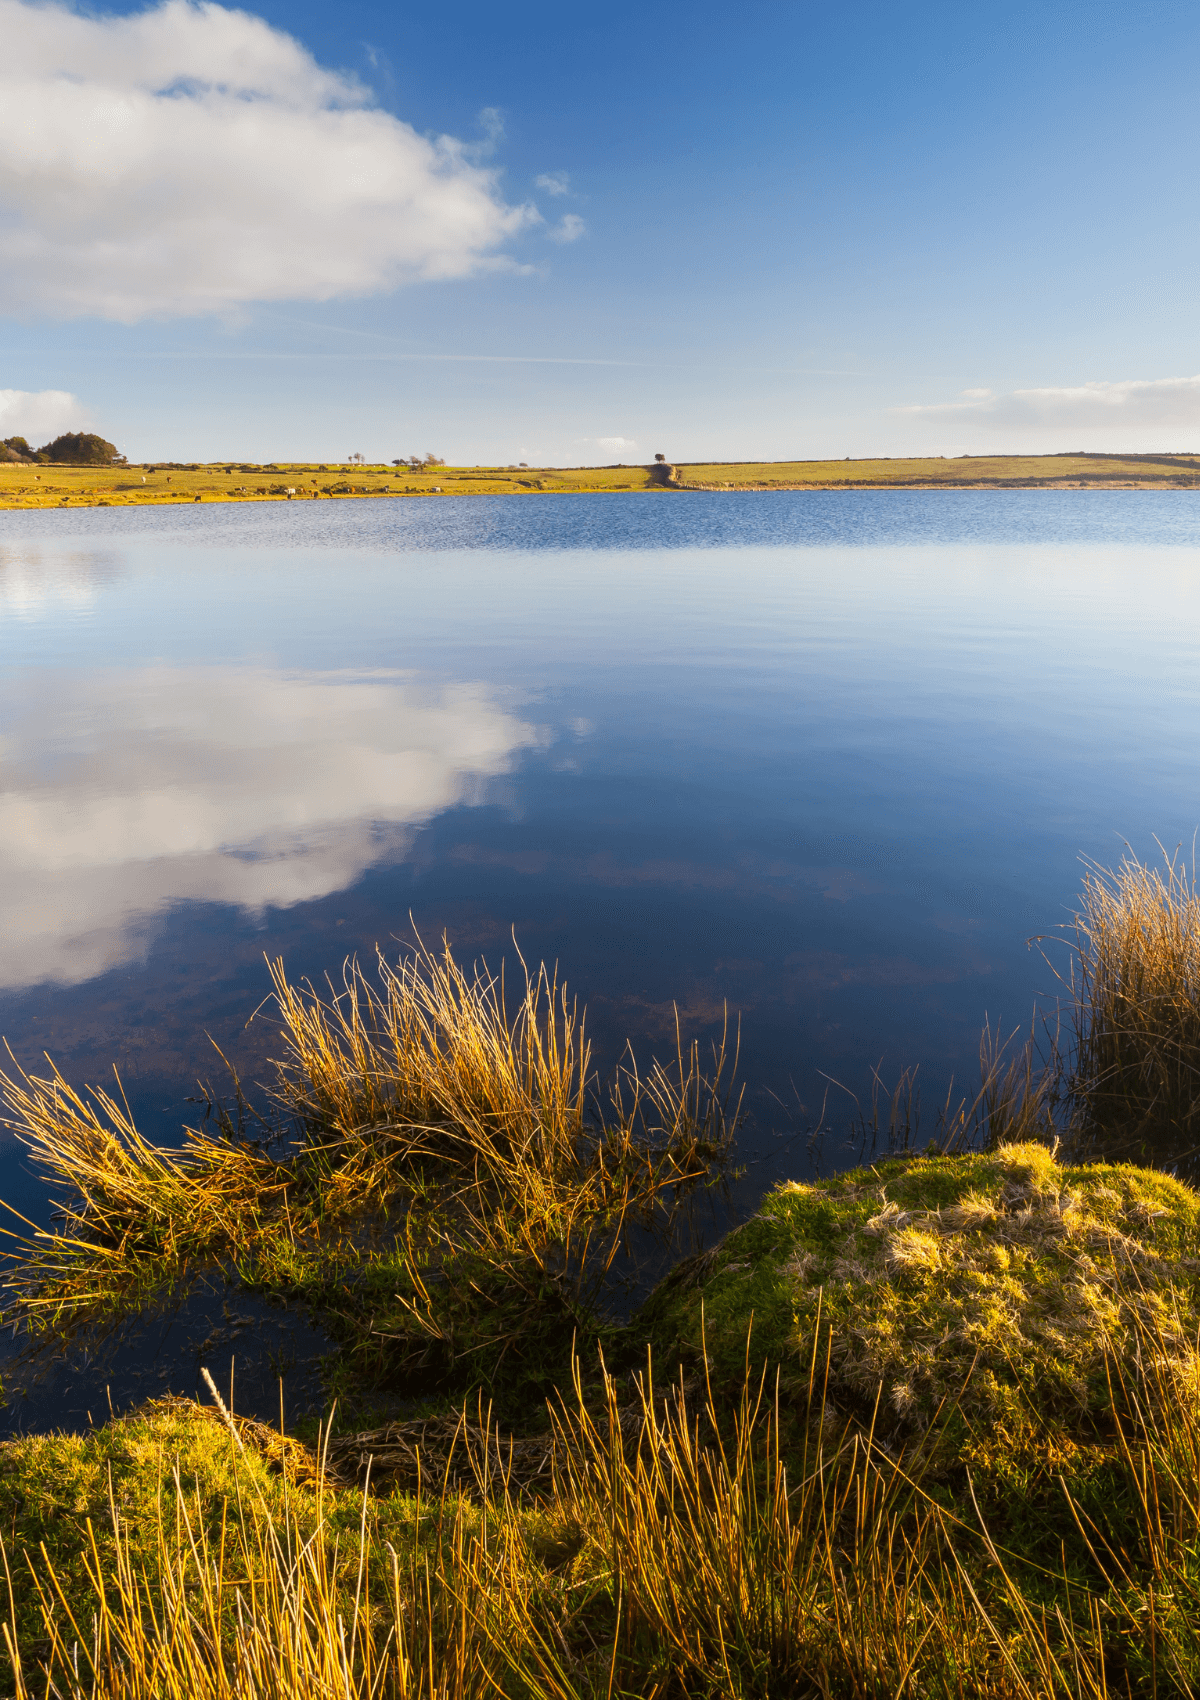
{"type": "Point", "coordinates": [1005, 1285]}
{"type": "Point", "coordinates": [170, 1474]}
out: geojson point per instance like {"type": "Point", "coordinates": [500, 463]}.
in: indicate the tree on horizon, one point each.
{"type": "Point", "coordinates": [80, 448]}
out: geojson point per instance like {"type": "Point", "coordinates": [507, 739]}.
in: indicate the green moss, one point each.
{"type": "Point", "coordinates": [1006, 1282]}
{"type": "Point", "coordinates": [52, 1486]}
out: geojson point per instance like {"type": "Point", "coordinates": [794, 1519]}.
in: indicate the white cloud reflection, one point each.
{"type": "Point", "coordinates": [123, 794]}
{"type": "Point", "coordinates": [34, 584]}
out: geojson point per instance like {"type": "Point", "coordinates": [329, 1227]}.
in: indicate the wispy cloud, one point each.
{"type": "Point", "coordinates": [1127, 413]}
{"type": "Point", "coordinates": [614, 445]}
{"type": "Point", "coordinates": [568, 229]}
{"type": "Point", "coordinates": [190, 159]}
{"type": "Point", "coordinates": [491, 122]}
{"type": "Point", "coordinates": [40, 414]}
{"type": "Point", "coordinates": [554, 182]}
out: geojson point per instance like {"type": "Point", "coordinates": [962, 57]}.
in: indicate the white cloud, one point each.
{"type": "Point", "coordinates": [617, 445]}
{"type": "Point", "coordinates": [554, 182]}
{"type": "Point", "coordinates": [568, 229]}
{"type": "Point", "coordinates": [190, 159]}
{"type": "Point", "coordinates": [40, 415]}
{"type": "Point", "coordinates": [124, 794]}
{"type": "Point", "coordinates": [1131, 414]}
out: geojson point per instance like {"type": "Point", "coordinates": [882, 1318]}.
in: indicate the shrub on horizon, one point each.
{"type": "Point", "coordinates": [80, 448]}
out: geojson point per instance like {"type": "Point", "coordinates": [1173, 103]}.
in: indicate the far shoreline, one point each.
{"type": "Point", "coordinates": [170, 484]}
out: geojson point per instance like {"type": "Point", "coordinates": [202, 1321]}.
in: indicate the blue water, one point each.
{"type": "Point", "coordinates": [830, 759]}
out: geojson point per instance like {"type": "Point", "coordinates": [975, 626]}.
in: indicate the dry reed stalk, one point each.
{"type": "Point", "coordinates": [140, 1219]}
{"type": "Point", "coordinates": [504, 1101]}
{"type": "Point", "coordinates": [730, 1578]}
{"type": "Point", "coordinates": [1017, 1096]}
{"type": "Point", "coordinates": [1016, 1101]}
{"type": "Point", "coordinates": [434, 1044]}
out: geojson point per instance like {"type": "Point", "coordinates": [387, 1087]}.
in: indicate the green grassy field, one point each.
{"type": "Point", "coordinates": [85, 486]}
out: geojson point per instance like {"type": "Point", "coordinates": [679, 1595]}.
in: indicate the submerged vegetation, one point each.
{"type": "Point", "coordinates": [927, 1428]}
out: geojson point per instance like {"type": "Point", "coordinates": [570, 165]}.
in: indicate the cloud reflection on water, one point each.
{"type": "Point", "coordinates": [35, 583]}
{"type": "Point", "coordinates": [123, 793]}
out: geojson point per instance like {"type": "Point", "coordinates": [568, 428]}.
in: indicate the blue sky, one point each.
{"type": "Point", "coordinates": [708, 231]}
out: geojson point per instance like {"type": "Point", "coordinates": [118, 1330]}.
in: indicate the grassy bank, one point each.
{"type": "Point", "coordinates": [158, 485]}
{"type": "Point", "coordinates": [927, 1428]}
{"type": "Point", "coordinates": [675, 1548]}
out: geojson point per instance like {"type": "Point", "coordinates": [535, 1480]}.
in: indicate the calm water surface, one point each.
{"type": "Point", "coordinates": [830, 758]}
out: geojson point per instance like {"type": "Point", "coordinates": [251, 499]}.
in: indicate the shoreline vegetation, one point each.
{"type": "Point", "coordinates": [927, 1428]}
{"type": "Point", "coordinates": [30, 485]}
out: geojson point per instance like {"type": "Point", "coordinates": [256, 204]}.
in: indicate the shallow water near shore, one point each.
{"type": "Point", "coordinates": [829, 758]}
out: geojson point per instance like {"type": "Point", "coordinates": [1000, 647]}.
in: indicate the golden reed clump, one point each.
{"type": "Point", "coordinates": [449, 1162]}
{"type": "Point", "coordinates": [1134, 1011]}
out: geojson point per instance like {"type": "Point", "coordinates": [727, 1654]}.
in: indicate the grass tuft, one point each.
{"type": "Point", "coordinates": [1134, 1079]}
{"type": "Point", "coordinates": [453, 1198]}
{"type": "Point", "coordinates": [934, 1428]}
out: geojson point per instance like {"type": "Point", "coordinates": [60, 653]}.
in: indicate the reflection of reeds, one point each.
{"type": "Point", "coordinates": [467, 1140]}
{"type": "Point", "coordinates": [1016, 1101]}
{"type": "Point", "coordinates": [680, 1555]}
{"type": "Point", "coordinates": [1123, 1082]}
{"type": "Point", "coordinates": [1134, 1077]}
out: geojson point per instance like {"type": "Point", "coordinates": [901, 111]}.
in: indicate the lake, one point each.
{"type": "Point", "coordinates": [830, 759]}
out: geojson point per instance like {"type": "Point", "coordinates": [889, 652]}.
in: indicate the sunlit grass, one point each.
{"type": "Point", "coordinates": [677, 1549]}
{"type": "Point", "coordinates": [87, 486]}
{"type": "Point", "coordinates": [935, 1424]}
